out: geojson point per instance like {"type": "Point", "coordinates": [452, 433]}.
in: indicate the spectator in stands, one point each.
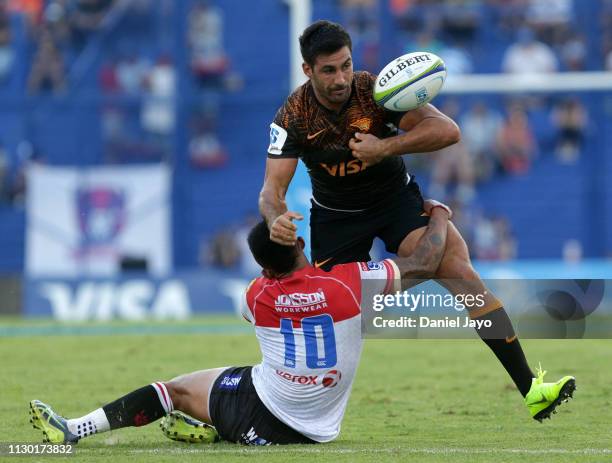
{"type": "Point", "coordinates": [131, 73]}
{"type": "Point", "coordinates": [509, 15]}
{"type": "Point", "coordinates": [55, 18]}
{"type": "Point", "coordinates": [607, 47]}
{"type": "Point", "coordinates": [457, 59]}
{"type": "Point", "coordinates": [4, 165]}
{"type": "Point", "coordinates": [360, 17]}
{"type": "Point", "coordinates": [570, 120]}
{"type": "Point", "coordinates": [205, 149]}
{"type": "Point", "coordinates": [572, 251]}
{"type": "Point", "coordinates": [6, 49]}
{"type": "Point", "coordinates": [205, 37]}
{"type": "Point", "coordinates": [31, 9]}
{"type": "Point", "coordinates": [86, 17]}
{"type": "Point", "coordinates": [515, 142]}
{"type": "Point", "coordinates": [362, 21]}
{"type": "Point", "coordinates": [453, 164]}
{"type": "Point", "coordinates": [573, 51]}
{"type": "Point", "coordinates": [461, 20]}
{"type": "Point", "coordinates": [223, 251]}
{"type": "Point", "coordinates": [158, 112]}
{"type": "Point", "coordinates": [606, 26]}
{"type": "Point", "coordinates": [27, 154]}
{"type": "Point", "coordinates": [415, 16]}
{"type": "Point", "coordinates": [549, 18]}
{"type": "Point", "coordinates": [464, 219]}
{"type": "Point", "coordinates": [107, 77]}
{"type": "Point", "coordinates": [528, 56]}
{"type": "Point", "coordinates": [48, 72]}
{"type": "Point", "coordinates": [479, 128]}
{"type": "Point", "coordinates": [425, 41]}
{"type": "Point", "coordinates": [248, 265]}
{"type": "Point", "coordinates": [493, 239]}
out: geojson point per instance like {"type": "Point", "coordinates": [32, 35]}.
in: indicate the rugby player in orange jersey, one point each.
{"type": "Point", "coordinates": [352, 149]}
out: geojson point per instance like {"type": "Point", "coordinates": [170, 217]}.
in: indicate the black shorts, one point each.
{"type": "Point", "coordinates": [338, 237]}
{"type": "Point", "coordinates": [240, 416]}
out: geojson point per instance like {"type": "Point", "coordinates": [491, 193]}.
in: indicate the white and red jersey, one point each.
{"type": "Point", "coordinates": [309, 330]}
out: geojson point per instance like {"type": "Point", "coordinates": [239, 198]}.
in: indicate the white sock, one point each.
{"type": "Point", "coordinates": [89, 424]}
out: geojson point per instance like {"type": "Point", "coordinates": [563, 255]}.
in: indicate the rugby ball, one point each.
{"type": "Point", "coordinates": [410, 81]}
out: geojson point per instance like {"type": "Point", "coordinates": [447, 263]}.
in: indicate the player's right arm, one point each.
{"type": "Point", "coordinates": [424, 261]}
{"type": "Point", "coordinates": [283, 154]}
{"type": "Point", "coordinates": [272, 205]}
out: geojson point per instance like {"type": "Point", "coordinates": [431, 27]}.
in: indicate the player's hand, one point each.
{"type": "Point", "coordinates": [429, 204]}
{"type": "Point", "coordinates": [367, 148]}
{"type": "Point", "coordinates": [283, 230]}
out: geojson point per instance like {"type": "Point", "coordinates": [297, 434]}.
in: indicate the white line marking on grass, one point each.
{"type": "Point", "coordinates": [335, 450]}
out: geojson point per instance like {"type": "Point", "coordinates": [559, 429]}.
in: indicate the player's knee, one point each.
{"type": "Point", "coordinates": [179, 393]}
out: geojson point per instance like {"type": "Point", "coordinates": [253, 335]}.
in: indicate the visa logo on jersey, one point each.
{"type": "Point", "coordinates": [300, 302]}
{"type": "Point", "coordinates": [344, 168]}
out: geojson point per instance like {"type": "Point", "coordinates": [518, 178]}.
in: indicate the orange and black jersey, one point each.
{"type": "Point", "coordinates": [303, 128]}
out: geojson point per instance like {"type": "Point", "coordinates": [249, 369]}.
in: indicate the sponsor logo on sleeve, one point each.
{"type": "Point", "coordinates": [375, 266]}
{"type": "Point", "coordinates": [230, 382]}
{"type": "Point", "coordinates": [278, 137]}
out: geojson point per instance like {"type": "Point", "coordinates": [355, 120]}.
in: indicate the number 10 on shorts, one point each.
{"type": "Point", "coordinates": [317, 328]}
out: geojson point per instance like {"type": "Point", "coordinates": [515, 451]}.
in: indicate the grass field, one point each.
{"type": "Point", "coordinates": [419, 400]}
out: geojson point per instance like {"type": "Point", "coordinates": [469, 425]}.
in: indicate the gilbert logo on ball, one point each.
{"type": "Point", "coordinates": [410, 81]}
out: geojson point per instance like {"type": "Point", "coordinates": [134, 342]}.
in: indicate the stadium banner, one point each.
{"type": "Point", "coordinates": [135, 297]}
{"type": "Point", "coordinates": [85, 221]}
{"type": "Point", "coordinates": [539, 308]}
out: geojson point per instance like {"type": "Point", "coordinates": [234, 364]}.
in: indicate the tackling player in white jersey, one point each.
{"type": "Point", "coordinates": [308, 324]}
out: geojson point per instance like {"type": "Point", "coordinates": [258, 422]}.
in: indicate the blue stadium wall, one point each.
{"type": "Point", "coordinates": [575, 201]}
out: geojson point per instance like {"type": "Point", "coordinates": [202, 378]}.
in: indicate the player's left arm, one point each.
{"type": "Point", "coordinates": [425, 129]}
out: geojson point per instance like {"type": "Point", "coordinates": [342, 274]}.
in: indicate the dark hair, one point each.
{"type": "Point", "coordinates": [323, 38]}
{"type": "Point", "coordinates": [270, 255]}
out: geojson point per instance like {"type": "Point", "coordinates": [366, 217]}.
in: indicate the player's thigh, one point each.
{"type": "Point", "coordinates": [455, 262]}
{"type": "Point", "coordinates": [455, 272]}
{"type": "Point", "coordinates": [456, 250]}
{"type": "Point", "coordinates": [190, 392]}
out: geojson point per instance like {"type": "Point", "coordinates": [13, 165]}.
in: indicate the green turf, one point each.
{"type": "Point", "coordinates": [418, 400]}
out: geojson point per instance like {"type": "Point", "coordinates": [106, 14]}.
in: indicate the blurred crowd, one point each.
{"type": "Point", "coordinates": [138, 78]}
{"type": "Point", "coordinates": [547, 34]}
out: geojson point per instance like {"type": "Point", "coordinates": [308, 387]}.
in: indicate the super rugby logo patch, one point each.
{"type": "Point", "coordinates": [278, 137]}
{"type": "Point", "coordinates": [370, 266]}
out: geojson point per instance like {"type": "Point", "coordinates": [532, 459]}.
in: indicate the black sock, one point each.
{"type": "Point", "coordinates": [137, 408]}
{"type": "Point", "coordinates": [503, 342]}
